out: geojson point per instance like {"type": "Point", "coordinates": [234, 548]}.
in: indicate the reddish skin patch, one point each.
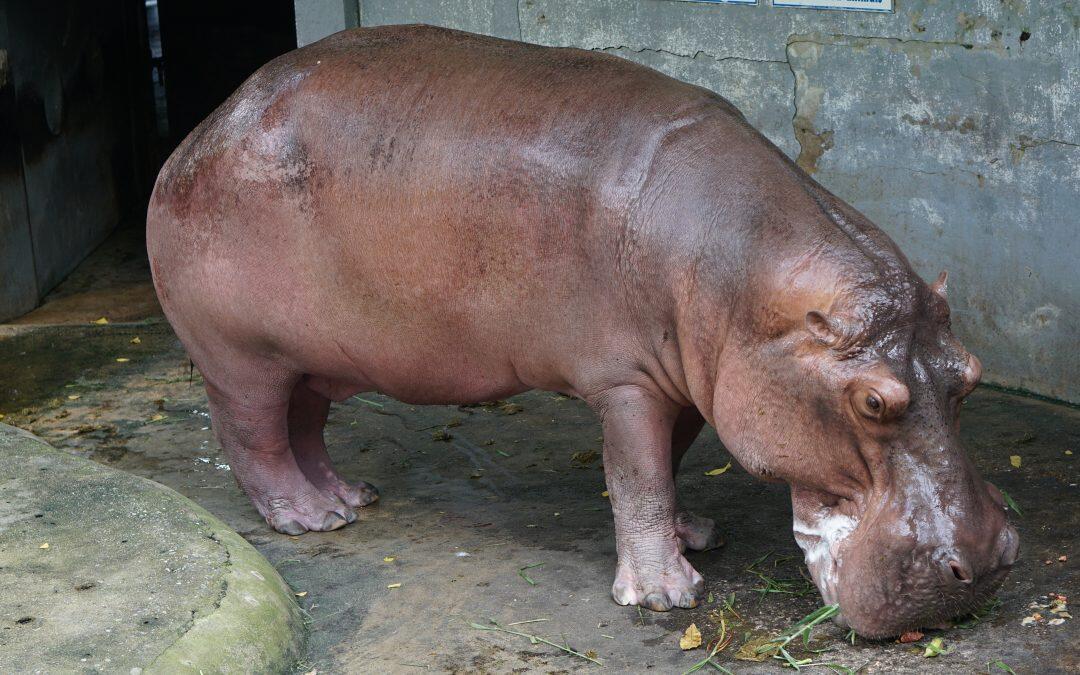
{"type": "Point", "coordinates": [449, 218]}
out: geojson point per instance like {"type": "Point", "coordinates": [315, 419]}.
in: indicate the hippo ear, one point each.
{"type": "Point", "coordinates": [941, 286]}
{"type": "Point", "coordinates": [822, 328]}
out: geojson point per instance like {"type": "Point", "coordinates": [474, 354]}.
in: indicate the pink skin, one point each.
{"type": "Point", "coordinates": [447, 218]}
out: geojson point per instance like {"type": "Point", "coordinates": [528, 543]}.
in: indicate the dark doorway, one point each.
{"type": "Point", "coordinates": [210, 47]}
{"type": "Point", "coordinates": [93, 98]}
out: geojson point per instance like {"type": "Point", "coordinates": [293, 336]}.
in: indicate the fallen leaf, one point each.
{"type": "Point", "coordinates": [394, 586]}
{"type": "Point", "coordinates": [45, 545]}
{"type": "Point", "coordinates": [122, 360]}
{"type": "Point", "coordinates": [388, 558]}
{"type": "Point", "coordinates": [1068, 452]}
{"type": "Point", "coordinates": [717, 472]}
{"type": "Point", "coordinates": [157, 418]}
{"type": "Point", "coordinates": [1014, 460]}
{"type": "Point", "coordinates": [101, 322]}
{"type": "Point", "coordinates": [300, 594]}
{"type": "Point", "coordinates": [510, 408]}
{"type": "Point", "coordinates": [691, 639]}
{"type": "Point", "coordinates": [911, 636]}
{"type": "Point", "coordinates": [1056, 622]}
{"type": "Point", "coordinates": [73, 397]}
{"type": "Point", "coordinates": [605, 493]}
{"type": "Point", "coordinates": [135, 340]}
{"type": "Point", "coordinates": [935, 648]}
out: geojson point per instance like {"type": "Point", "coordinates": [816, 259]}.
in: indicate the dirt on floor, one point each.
{"type": "Point", "coordinates": [493, 517]}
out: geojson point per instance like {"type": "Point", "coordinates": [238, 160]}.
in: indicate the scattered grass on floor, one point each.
{"type": "Point", "coordinates": [773, 584]}
{"type": "Point", "coordinates": [534, 639]}
{"type": "Point", "coordinates": [778, 646]}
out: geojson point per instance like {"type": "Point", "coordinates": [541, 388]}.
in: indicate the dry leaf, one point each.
{"type": "Point", "coordinates": [300, 594]}
{"type": "Point", "coordinates": [135, 340]}
{"type": "Point", "coordinates": [73, 397]}
{"type": "Point", "coordinates": [717, 472]}
{"type": "Point", "coordinates": [394, 586]}
{"type": "Point", "coordinates": [45, 545]}
{"type": "Point", "coordinates": [101, 322]}
{"type": "Point", "coordinates": [157, 418]}
{"type": "Point", "coordinates": [122, 360]}
{"type": "Point", "coordinates": [605, 493]}
{"type": "Point", "coordinates": [1014, 460]}
{"type": "Point", "coordinates": [691, 639]}
{"type": "Point", "coordinates": [388, 558]}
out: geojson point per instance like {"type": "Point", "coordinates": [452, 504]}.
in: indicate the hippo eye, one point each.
{"type": "Point", "coordinates": [870, 404]}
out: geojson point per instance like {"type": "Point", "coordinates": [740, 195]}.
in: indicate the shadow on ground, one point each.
{"type": "Point", "coordinates": [473, 494]}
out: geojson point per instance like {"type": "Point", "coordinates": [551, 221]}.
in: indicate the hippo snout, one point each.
{"type": "Point", "coordinates": [920, 585]}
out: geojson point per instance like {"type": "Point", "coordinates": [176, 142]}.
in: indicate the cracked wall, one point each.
{"type": "Point", "coordinates": [954, 125]}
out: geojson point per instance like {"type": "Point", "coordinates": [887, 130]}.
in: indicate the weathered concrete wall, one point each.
{"type": "Point", "coordinates": [954, 125]}
{"type": "Point", "coordinates": [316, 19]}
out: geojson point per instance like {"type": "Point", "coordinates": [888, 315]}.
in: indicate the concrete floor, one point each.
{"type": "Point", "coordinates": [473, 494]}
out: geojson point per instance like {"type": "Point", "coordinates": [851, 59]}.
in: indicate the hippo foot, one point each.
{"type": "Point", "coordinates": [318, 512]}
{"type": "Point", "coordinates": [696, 533]}
{"type": "Point", "coordinates": [355, 495]}
{"type": "Point", "coordinates": [678, 586]}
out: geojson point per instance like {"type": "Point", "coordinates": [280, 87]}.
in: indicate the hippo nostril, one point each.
{"type": "Point", "coordinates": [960, 572]}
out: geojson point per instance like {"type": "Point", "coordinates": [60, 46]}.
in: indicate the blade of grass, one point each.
{"type": "Point", "coordinates": [526, 577]}
{"type": "Point", "coordinates": [1011, 504]}
{"type": "Point", "coordinates": [518, 623]}
{"type": "Point", "coordinates": [374, 403]}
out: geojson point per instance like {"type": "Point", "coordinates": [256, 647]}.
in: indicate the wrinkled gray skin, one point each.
{"type": "Point", "coordinates": [447, 218]}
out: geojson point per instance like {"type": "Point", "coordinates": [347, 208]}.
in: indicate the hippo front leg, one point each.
{"type": "Point", "coordinates": [652, 571]}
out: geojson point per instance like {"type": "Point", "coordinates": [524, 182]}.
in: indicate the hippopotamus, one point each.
{"type": "Point", "coordinates": [448, 218]}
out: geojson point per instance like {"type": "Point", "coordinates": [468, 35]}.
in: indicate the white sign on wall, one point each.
{"type": "Point", "coordinates": [860, 5]}
{"type": "Point", "coordinates": [725, 2]}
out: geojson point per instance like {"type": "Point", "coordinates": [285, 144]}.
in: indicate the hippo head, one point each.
{"type": "Point", "coordinates": [855, 405]}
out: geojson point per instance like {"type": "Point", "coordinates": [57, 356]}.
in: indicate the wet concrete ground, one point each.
{"type": "Point", "coordinates": [470, 496]}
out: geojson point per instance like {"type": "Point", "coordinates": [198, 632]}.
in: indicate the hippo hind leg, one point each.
{"type": "Point", "coordinates": [308, 410]}
{"type": "Point", "coordinates": [250, 422]}
{"type": "Point", "coordinates": [696, 533]}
